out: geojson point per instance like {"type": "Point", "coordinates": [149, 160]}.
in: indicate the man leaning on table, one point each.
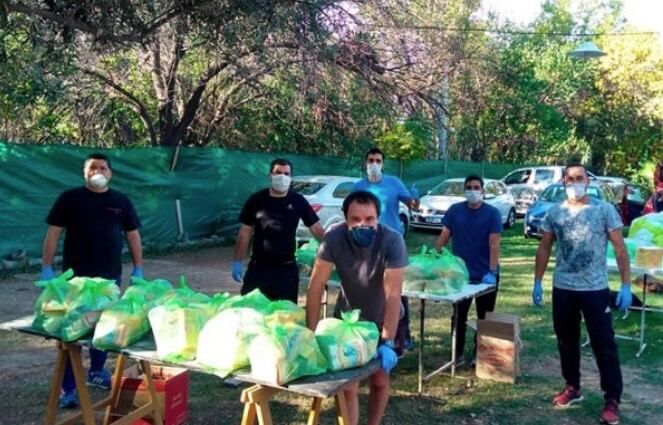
{"type": "Point", "coordinates": [474, 228]}
{"type": "Point", "coordinates": [582, 225]}
{"type": "Point", "coordinates": [370, 259]}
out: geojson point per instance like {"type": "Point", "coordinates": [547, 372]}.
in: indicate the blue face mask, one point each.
{"type": "Point", "coordinates": [362, 235]}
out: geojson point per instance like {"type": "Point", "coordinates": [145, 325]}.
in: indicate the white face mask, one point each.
{"type": "Point", "coordinates": [473, 196]}
{"type": "Point", "coordinates": [374, 171]}
{"type": "Point", "coordinates": [575, 191]}
{"type": "Point", "coordinates": [98, 181]}
{"type": "Point", "coordinates": [280, 182]}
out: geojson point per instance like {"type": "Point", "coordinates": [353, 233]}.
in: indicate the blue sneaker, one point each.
{"type": "Point", "coordinates": [100, 379]}
{"type": "Point", "coordinates": [68, 400]}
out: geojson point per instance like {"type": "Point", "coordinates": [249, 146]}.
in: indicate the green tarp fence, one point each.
{"type": "Point", "coordinates": [209, 185]}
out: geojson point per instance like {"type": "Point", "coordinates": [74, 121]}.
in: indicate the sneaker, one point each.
{"type": "Point", "coordinates": [100, 379]}
{"type": "Point", "coordinates": [68, 400]}
{"type": "Point", "coordinates": [567, 397]}
{"type": "Point", "coordinates": [610, 412]}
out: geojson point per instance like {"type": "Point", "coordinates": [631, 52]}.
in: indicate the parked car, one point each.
{"type": "Point", "coordinates": [552, 195]}
{"type": "Point", "coordinates": [527, 183]}
{"type": "Point", "coordinates": [326, 194]}
{"type": "Point", "coordinates": [438, 200]}
{"type": "Point", "coordinates": [629, 197]}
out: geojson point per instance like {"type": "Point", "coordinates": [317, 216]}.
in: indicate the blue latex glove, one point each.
{"type": "Point", "coordinates": [537, 293]}
{"type": "Point", "coordinates": [237, 271]}
{"type": "Point", "coordinates": [138, 272]}
{"type": "Point", "coordinates": [489, 278]}
{"type": "Point", "coordinates": [387, 357]}
{"type": "Point", "coordinates": [47, 273]}
{"type": "Point", "coordinates": [624, 298]}
{"type": "Point", "coordinates": [414, 192]}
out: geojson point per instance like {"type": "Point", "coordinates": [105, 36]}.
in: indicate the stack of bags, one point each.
{"type": "Point", "coordinates": [435, 273]}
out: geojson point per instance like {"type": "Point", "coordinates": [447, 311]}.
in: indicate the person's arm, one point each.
{"type": "Point", "coordinates": [242, 243]}
{"type": "Point", "coordinates": [443, 239]}
{"type": "Point", "coordinates": [50, 245]}
{"type": "Point", "coordinates": [621, 254]}
{"type": "Point", "coordinates": [135, 247]}
{"type": "Point", "coordinates": [393, 286]}
{"type": "Point", "coordinates": [543, 255]}
{"type": "Point", "coordinates": [321, 271]}
{"type": "Point", "coordinates": [494, 249]}
{"type": "Point", "coordinates": [317, 231]}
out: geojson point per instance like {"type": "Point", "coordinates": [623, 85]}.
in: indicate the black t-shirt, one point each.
{"type": "Point", "coordinates": [94, 230]}
{"type": "Point", "coordinates": [275, 221]}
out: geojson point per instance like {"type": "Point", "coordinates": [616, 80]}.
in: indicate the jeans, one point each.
{"type": "Point", "coordinates": [484, 304]}
{"type": "Point", "coordinates": [594, 306]}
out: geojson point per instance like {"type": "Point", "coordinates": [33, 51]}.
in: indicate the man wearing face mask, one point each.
{"type": "Point", "coordinates": [272, 215]}
{"type": "Point", "coordinates": [474, 228]}
{"type": "Point", "coordinates": [370, 259]}
{"type": "Point", "coordinates": [95, 220]}
{"type": "Point", "coordinates": [582, 226]}
{"type": "Point", "coordinates": [390, 190]}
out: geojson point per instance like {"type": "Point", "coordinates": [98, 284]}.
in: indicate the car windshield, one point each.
{"type": "Point", "coordinates": [306, 188]}
{"type": "Point", "coordinates": [448, 188]}
{"type": "Point", "coordinates": [556, 193]}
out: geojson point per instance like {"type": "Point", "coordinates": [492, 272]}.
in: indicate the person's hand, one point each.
{"type": "Point", "coordinates": [138, 272]}
{"type": "Point", "coordinates": [237, 271]}
{"type": "Point", "coordinates": [624, 298]}
{"type": "Point", "coordinates": [414, 192]}
{"type": "Point", "coordinates": [537, 293]}
{"type": "Point", "coordinates": [489, 278]}
{"type": "Point", "coordinates": [47, 273]}
{"type": "Point", "coordinates": [387, 356]}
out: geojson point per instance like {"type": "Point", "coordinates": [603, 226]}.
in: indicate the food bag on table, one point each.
{"type": "Point", "coordinates": [123, 324]}
{"type": "Point", "coordinates": [254, 299]}
{"type": "Point", "coordinates": [224, 341]}
{"type": "Point", "coordinates": [648, 229]}
{"type": "Point", "coordinates": [305, 256]}
{"type": "Point", "coordinates": [51, 305]}
{"type": "Point", "coordinates": [284, 311]}
{"type": "Point", "coordinates": [90, 297]}
{"type": "Point", "coordinates": [149, 290]}
{"type": "Point", "coordinates": [284, 353]}
{"type": "Point", "coordinates": [436, 273]}
{"type": "Point", "coordinates": [347, 342]}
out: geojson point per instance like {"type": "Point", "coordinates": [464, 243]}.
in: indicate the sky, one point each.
{"type": "Point", "coordinates": [647, 15]}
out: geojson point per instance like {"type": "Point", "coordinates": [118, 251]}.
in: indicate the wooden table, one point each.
{"type": "Point", "coordinates": [469, 291]}
{"type": "Point", "coordinates": [639, 271]}
{"type": "Point", "coordinates": [255, 398]}
{"type": "Point", "coordinates": [72, 351]}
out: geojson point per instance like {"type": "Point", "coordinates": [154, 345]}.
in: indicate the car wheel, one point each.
{"type": "Point", "coordinates": [404, 222]}
{"type": "Point", "coordinates": [510, 219]}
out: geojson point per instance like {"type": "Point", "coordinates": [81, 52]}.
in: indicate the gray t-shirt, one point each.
{"type": "Point", "coordinates": [582, 239]}
{"type": "Point", "coordinates": [362, 269]}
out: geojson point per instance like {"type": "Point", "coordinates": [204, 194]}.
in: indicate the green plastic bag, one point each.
{"type": "Point", "coordinates": [123, 324]}
{"type": "Point", "coordinates": [284, 311]}
{"type": "Point", "coordinates": [347, 342]}
{"type": "Point", "coordinates": [648, 229]}
{"type": "Point", "coordinates": [148, 290]}
{"type": "Point", "coordinates": [254, 299]}
{"type": "Point", "coordinates": [284, 353]}
{"type": "Point", "coordinates": [435, 273]}
{"type": "Point", "coordinates": [223, 343]}
{"type": "Point", "coordinates": [85, 304]}
{"type": "Point", "coordinates": [305, 256]}
{"type": "Point", "coordinates": [51, 305]}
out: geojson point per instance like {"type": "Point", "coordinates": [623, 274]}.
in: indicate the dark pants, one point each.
{"type": "Point", "coordinates": [594, 306]}
{"type": "Point", "coordinates": [484, 304]}
{"type": "Point", "coordinates": [276, 282]}
{"type": "Point", "coordinates": [97, 362]}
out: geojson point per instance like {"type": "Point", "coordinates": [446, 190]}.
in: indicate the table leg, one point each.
{"type": "Point", "coordinates": [154, 401]}
{"type": "Point", "coordinates": [314, 413]}
{"type": "Point", "coordinates": [422, 310]}
{"type": "Point", "coordinates": [81, 386]}
{"type": "Point", "coordinates": [56, 384]}
{"type": "Point", "coordinates": [249, 415]}
{"type": "Point", "coordinates": [453, 341]}
{"type": "Point", "coordinates": [643, 311]}
{"type": "Point", "coordinates": [115, 388]}
{"type": "Point", "coordinates": [341, 409]}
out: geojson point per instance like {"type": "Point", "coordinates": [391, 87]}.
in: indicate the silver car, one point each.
{"type": "Point", "coordinates": [451, 191]}
{"type": "Point", "coordinates": [326, 194]}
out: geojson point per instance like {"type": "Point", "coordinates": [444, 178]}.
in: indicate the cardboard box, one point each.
{"type": "Point", "coordinates": [498, 347]}
{"type": "Point", "coordinates": [171, 385]}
